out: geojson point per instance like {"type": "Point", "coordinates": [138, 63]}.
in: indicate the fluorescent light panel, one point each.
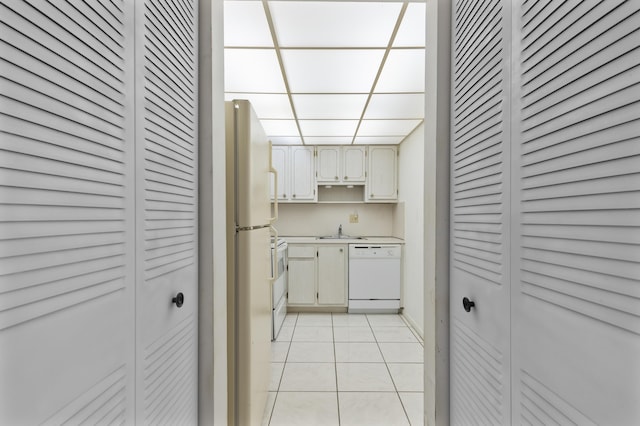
{"type": "Point", "coordinates": [329, 106]}
{"type": "Point", "coordinates": [329, 76]}
{"type": "Point", "coordinates": [388, 106]}
{"type": "Point", "coordinates": [412, 29]}
{"type": "Point", "coordinates": [328, 127]}
{"type": "Point", "coordinates": [331, 71]}
{"type": "Point", "coordinates": [403, 71]}
{"type": "Point", "coordinates": [280, 127]}
{"type": "Point", "coordinates": [245, 24]}
{"type": "Point", "coordinates": [333, 24]}
{"type": "Point", "coordinates": [252, 70]}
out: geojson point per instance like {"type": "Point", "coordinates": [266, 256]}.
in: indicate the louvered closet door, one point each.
{"type": "Point", "coordinates": [576, 222]}
{"type": "Point", "coordinates": [479, 339]}
{"type": "Point", "coordinates": [66, 213]}
{"type": "Point", "coordinates": [166, 141]}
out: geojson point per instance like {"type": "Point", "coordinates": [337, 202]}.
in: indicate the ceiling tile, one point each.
{"type": "Point", "coordinates": [245, 24]}
{"type": "Point", "coordinates": [334, 24]}
{"type": "Point", "coordinates": [387, 127]}
{"type": "Point", "coordinates": [280, 127]}
{"type": "Point", "coordinates": [252, 70]}
{"type": "Point", "coordinates": [403, 71]}
{"type": "Point", "coordinates": [329, 106]}
{"type": "Point", "coordinates": [389, 106]}
{"type": "Point", "coordinates": [331, 71]}
{"type": "Point", "coordinates": [412, 30]}
{"type": "Point", "coordinates": [328, 140]}
{"type": "Point", "coordinates": [378, 140]}
{"type": "Point", "coordinates": [328, 127]}
{"type": "Point", "coordinates": [266, 105]}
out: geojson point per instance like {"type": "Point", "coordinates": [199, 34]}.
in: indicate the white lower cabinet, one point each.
{"type": "Point", "coordinates": [302, 275]}
{"type": "Point", "coordinates": [317, 275]}
{"type": "Point", "coordinates": [332, 275]}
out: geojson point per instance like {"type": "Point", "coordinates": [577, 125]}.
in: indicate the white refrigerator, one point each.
{"type": "Point", "coordinates": [249, 232]}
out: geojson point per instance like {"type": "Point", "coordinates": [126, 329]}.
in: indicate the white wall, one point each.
{"type": "Point", "coordinates": [324, 219]}
{"type": "Point", "coordinates": [212, 262]}
{"type": "Point", "coordinates": [411, 195]}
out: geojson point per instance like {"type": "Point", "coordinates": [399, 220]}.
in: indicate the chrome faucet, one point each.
{"type": "Point", "coordinates": [340, 231]}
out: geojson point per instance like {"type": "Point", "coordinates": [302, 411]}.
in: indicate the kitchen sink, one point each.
{"type": "Point", "coordinates": [340, 237]}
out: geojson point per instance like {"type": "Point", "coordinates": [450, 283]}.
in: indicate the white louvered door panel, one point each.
{"type": "Point", "coordinates": [479, 339]}
{"type": "Point", "coordinates": [66, 212]}
{"type": "Point", "coordinates": [167, 190]}
{"type": "Point", "coordinates": [576, 216]}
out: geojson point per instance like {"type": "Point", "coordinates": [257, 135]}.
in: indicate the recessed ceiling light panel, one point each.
{"type": "Point", "coordinates": [331, 71]}
{"type": "Point", "coordinates": [403, 71]}
{"type": "Point", "coordinates": [245, 24]}
{"type": "Point", "coordinates": [252, 70]}
{"type": "Point", "coordinates": [334, 24]}
{"type": "Point", "coordinates": [329, 106]}
{"type": "Point", "coordinates": [397, 105]}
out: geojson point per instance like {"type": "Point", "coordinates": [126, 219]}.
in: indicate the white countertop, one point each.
{"type": "Point", "coordinates": [367, 240]}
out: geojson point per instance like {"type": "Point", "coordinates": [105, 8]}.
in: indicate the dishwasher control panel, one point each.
{"type": "Point", "coordinates": [374, 251]}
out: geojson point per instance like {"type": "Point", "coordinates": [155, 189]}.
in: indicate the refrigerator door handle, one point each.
{"type": "Point", "coordinates": [274, 257]}
{"type": "Point", "coordinates": [275, 185]}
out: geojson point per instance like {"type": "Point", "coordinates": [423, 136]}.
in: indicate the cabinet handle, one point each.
{"type": "Point", "coordinates": [341, 250]}
{"type": "Point", "coordinates": [294, 195]}
{"type": "Point", "coordinates": [468, 304]}
{"type": "Point", "coordinates": [178, 300]}
{"type": "Point", "coordinates": [336, 177]}
{"type": "Point", "coordinates": [372, 195]}
{"type": "Point", "coordinates": [284, 195]}
{"type": "Point", "coordinates": [346, 178]}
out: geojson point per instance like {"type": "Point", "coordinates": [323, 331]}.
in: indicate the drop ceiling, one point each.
{"type": "Point", "coordinates": [328, 73]}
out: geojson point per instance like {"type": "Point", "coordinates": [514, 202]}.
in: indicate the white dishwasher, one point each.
{"type": "Point", "coordinates": [374, 278]}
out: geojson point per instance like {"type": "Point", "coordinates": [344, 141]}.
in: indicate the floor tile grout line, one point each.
{"type": "Point", "coordinates": [386, 364]}
{"type": "Point", "coordinates": [376, 340]}
{"type": "Point", "coordinates": [335, 368]}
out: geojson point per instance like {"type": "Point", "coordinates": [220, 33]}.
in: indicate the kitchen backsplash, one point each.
{"type": "Point", "coordinates": [324, 219]}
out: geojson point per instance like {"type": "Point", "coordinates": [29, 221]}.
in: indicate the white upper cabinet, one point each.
{"type": "Point", "coordinates": [382, 182]}
{"type": "Point", "coordinates": [341, 165]}
{"type": "Point", "coordinates": [301, 169]}
{"type": "Point", "coordinates": [354, 164]}
{"type": "Point", "coordinates": [303, 185]}
{"type": "Point", "coordinates": [329, 164]}
{"type": "Point", "coordinates": [280, 162]}
{"type": "Point", "coordinates": [328, 168]}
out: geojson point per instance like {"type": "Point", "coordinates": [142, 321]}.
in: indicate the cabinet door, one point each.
{"type": "Point", "coordinates": [480, 254]}
{"type": "Point", "coordinates": [166, 210]}
{"type": "Point", "coordinates": [353, 164]}
{"type": "Point", "coordinates": [382, 184]}
{"type": "Point", "coordinates": [332, 275]}
{"type": "Point", "coordinates": [576, 213]}
{"type": "Point", "coordinates": [67, 240]}
{"type": "Point", "coordinates": [302, 275]}
{"type": "Point", "coordinates": [329, 167]}
{"type": "Point", "coordinates": [280, 161]}
{"type": "Point", "coordinates": [302, 174]}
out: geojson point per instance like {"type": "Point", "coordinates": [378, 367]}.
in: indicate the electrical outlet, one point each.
{"type": "Point", "coordinates": [353, 218]}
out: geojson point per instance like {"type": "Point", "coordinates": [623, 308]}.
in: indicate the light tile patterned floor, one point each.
{"type": "Point", "coordinates": [345, 369]}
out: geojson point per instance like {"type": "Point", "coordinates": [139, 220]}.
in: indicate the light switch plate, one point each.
{"type": "Point", "coordinates": [353, 218]}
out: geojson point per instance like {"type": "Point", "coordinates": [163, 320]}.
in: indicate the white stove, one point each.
{"type": "Point", "coordinates": [279, 260]}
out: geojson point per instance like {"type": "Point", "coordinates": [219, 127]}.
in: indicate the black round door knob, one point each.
{"type": "Point", "coordinates": [178, 300]}
{"type": "Point", "coordinates": [468, 304]}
